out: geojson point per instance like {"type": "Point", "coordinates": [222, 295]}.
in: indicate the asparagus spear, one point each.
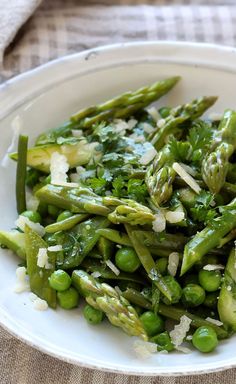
{"type": "Point", "coordinates": [210, 237]}
{"type": "Point", "coordinates": [115, 236]}
{"type": "Point", "coordinates": [179, 115]}
{"type": "Point", "coordinates": [227, 298]}
{"type": "Point", "coordinates": [115, 306]}
{"type": "Point", "coordinates": [172, 312]}
{"type": "Point", "coordinates": [216, 164]}
{"type": "Point", "coordinates": [65, 225]}
{"type": "Point", "coordinates": [131, 212]}
{"type": "Point", "coordinates": [160, 177]}
{"type": "Point", "coordinates": [124, 105]}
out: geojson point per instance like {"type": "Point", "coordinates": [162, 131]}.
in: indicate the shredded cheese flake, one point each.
{"type": "Point", "coordinates": [42, 259]}
{"type": "Point", "coordinates": [213, 267]}
{"type": "Point", "coordinates": [174, 217]}
{"type": "Point", "coordinates": [144, 349]}
{"type": "Point", "coordinates": [183, 349]}
{"type": "Point", "coordinates": [159, 224]}
{"type": "Point", "coordinates": [214, 321]}
{"type": "Point", "coordinates": [55, 248]}
{"type": "Point", "coordinates": [229, 288]}
{"type": "Point", "coordinates": [161, 123]}
{"type": "Point", "coordinates": [148, 156]}
{"type": "Point", "coordinates": [22, 221]}
{"type": "Point", "coordinates": [113, 268]}
{"type": "Point", "coordinates": [188, 169]}
{"type": "Point", "coordinates": [32, 202]}
{"type": "Point", "coordinates": [58, 168]}
{"type": "Point", "coordinates": [22, 281]}
{"type": "Point", "coordinates": [148, 128]}
{"type": "Point", "coordinates": [186, 177]}
{"type": "Point", "coordinates": [131, 123]}
{"type": "Point", "coordinates": [180, 330]}
{"type": "Point", "coordinates": [173, 263]}
{"type": "Point", "coordinates": [40, 305]}
{"type": "Point", "coordinates": [96, 274]}
{"type": "Point", "coordinates": [154, 113]}
{"type": "Point", "coordinates": [77, 132]}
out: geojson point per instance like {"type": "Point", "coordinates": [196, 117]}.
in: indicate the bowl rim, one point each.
{"type": "Point", "coordinates": [212, 56]}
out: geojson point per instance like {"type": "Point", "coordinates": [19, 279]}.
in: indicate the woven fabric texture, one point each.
{"type": "Point", "coordinates": [60, 27]}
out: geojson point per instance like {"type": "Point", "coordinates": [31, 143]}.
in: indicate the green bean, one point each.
{"type": "Point", "coordinates": [21, 173]}
{"type": "Point", "coordinates": [66, 224]}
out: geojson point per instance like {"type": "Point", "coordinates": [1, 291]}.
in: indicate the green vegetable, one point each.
{"type": "Point", "coordinates": [21, 174]}
{"type": "Point", "coordinates": [66, 224]}
{"type": "Point", "coordinates": [60, 280]}
{"type": "Point", "coordinates": [162, 264]}
{"type": "Point", "coordinates": [76, 153]}
{"type": "Point", "coordinates": [32, 216]}
{"type": "Point", "coordinates": [124, 105]}
{"type": "Point", "coordinates": [205, 339]}
{"type": "Point", "coordinates": [152, 323]}
{"type": "Point", "coordinates": [64, 215]}
{"type": "Point", "coordinates": [209, 280]}
{"type": "Point", "coordinates": [127, 259]}
{"type": "Point", "coordinates": [105, 247]}
{"type": "Point", "coordinates": [92, 315]}
{"type": "Point", "coordinates": [53, 211]}
{"type": "Point", "coordinates": [163, 342]}
{"type": "Point", "coordinates": [227, 297]}
{"type": "Point", "coordinates": [68, 299]}
{"type": "Point", "coordinates": [175, 289]}
{"type": "Point", "coordinates": [39, 277]}
{"type": "Point", "coordinates": [211, 299]}
{"type": "Point", "coordinates": [193, 295]}
{"type": "Point", "coordinates": [15, 241]}
{"type": "Point", "coordinates": [105, 298]}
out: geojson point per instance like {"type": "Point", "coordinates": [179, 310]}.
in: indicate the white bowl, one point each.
{"type": "Point", "coordinates": [44, 98]}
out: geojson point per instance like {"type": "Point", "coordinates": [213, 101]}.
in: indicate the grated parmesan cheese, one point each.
{"type": "Point", "coordinates": [144, 349]}
{"type": "Point", "coordinates": [22, 280]}
{"type": "Point", "coordinates": [32, 202]}
{"type": "Point", "coordinates": [40, 305]}
{"type": "Point", "coordinates": [174, 217]}
{"type": "Point", "coordinates": [58, 168]}
{"type": "Point", "coordinates": [229, 288]}
{"type": "Point", "coordinates": [214, 321]}
{"type": "Point", "coordinates": [154, 113]}
{"type": "Point", "coordinates": [161, 123]}
{"type": "Point", "coordinates": [180, 330]}
{"type": "Point", "coordinates": [96, 274]}
{"type": "Point", "coordinates": [188, 169]}
{"type": "Point", "coordinates": [183, 349]}
{"type": "Point", "coordinates": [22, 221]}
{"type": "Point", "coordinates": [42, 259]}
{"type": "Point", "coordinates": [55, 248]}
{"type": "Point", "coordinates": [159, 224]}
{"type": "Point", "coordinates": [186, 177]}
{"type": "Point", "coordinates": [77, 132]}
{"type": "Point", "coordinates": [131, 123]}
{"type": "Point", "coordinates": [32, 296]}
{"type": "Point", "coordinates": [148, 128]}
{"type": "Point", "coordinates": [173, 263]}
{"type": "Point", "coordinates": [213, 267]}
{"type": "Point", "coordinates": [148, 156]}
{"type": "Point", "coordinates": [112, 266]}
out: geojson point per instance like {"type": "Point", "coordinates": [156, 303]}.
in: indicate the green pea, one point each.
{"type": "Point", "coordinates": [193, 295]}
{"type": "Point", "coordinates": [205, 339]}
{"type": "Point", "coordinates": [164, 112]}
{"type": "Point", "coordinates": [68, 299]}
{"type": "Point", "coordinates": [60, 280]}
{"type": "Point", "coordinates": [32, 216]}
{"type": "Point", "coordinates": [64, 215]}
{"type": "Point", "coordinates": [209, 280]}
{"type": "Point", "coordinates": [175, 289]}
{"type": "Point", "coordinates": [162, 264]}
{"type": "Point", "coordinates": [152, 323]}
{"type": "Point", "coordinates": [53, 211]}
{"type": "Point", "coordinates": [32, 177]}
{"type": "Point", "coordinates": [92, 315]}
{"type": "Point", "coordinates": [43, 209]}
{"type": "Point", "coordinates": [127, 259]}
{"type": "Point", "coordinates": [163, 342]}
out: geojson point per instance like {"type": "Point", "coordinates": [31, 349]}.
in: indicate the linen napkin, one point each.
{"type": "Point", "coordinates": [13, 14]}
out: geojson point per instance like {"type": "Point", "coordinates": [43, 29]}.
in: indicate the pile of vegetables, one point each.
{"type": "Point", "coordinates": [134, 210]}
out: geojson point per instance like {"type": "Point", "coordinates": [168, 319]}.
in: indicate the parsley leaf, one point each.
{"type": "Point", "coordinates": [119, 185]}
{"type": "Point", "coordinates": [137, 190]}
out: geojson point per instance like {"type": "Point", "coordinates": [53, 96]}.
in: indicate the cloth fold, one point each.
{"type": "Point", "coordinates": [13, 14]}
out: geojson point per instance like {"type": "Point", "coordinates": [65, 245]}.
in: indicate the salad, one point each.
{"type": "Point", "coordinates": [133, 209]}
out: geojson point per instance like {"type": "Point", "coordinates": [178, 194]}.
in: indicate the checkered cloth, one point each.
{"type": "Point", "coordinates": [61, 27]}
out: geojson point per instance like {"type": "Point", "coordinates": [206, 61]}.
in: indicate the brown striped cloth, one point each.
{"type": "Point", "coordinates": [61, 27]}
